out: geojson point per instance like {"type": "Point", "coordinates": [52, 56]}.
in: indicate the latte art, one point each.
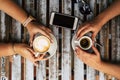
{"type": "Point", "coordinates": [41, 44]}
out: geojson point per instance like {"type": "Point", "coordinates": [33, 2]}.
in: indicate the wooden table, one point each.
{"type": "Point", "coordinates": [64, 65]}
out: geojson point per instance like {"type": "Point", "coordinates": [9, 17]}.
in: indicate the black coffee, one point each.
{"type": "Point", "coordinates": [85, 43]}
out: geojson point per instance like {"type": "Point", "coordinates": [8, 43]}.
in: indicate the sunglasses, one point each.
{"type": "Point", "coordinates": [84, 7]}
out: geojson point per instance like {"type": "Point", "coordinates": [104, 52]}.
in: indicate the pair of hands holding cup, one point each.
{"type": "Point", "coordinates": [27, 51]}
{"type": "Point", "coordinates": [92, 60]}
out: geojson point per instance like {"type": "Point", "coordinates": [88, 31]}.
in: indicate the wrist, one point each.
{"type": "Point", "coordinates": [28, 21]}
{"type": "Point", "coordinates": [15, 48]}
{"type": "Point", "coordinates": [103, 18]}
{"type": "Point", "coordinates": [100, 21]}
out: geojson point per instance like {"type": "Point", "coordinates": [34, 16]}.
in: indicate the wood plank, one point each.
{"type": "Point", "coordinates": [16, 37]}
{"type": "Point", "coordinates": [113, 42]}
{"type": "Point", "coordinates": [91, 73]}
{"type": "Point", "coordinates": [53, 62]}
{"type": "Point", "coordinates": [0, 40]}
{"type": "Point", "coordinates": [29, 68]}
{"type": "Point", "coordinates": [41, 14]}
{"type": "Point", "coordinates": [66, 49]}
{"type": "Point", "coordinates": [118, 39]}
{"type": "Point", "coordinates": [78, 64]}
{"type": "Point", "coordinates": [4, 38]}
{"type": "Point", "coordinates": [16, 68]}
{"type": "Point", "coordinates": [102, 6]}
{"type": "Point", "coordinates": [16, 64]}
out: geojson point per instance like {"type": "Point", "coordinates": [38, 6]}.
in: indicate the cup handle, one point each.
{"type": "Point", "coordinates": [100, 45]}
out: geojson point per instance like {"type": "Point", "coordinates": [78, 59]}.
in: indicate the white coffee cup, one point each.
{"type": "Point", "coordinates": [85, 42]}
{"type": "Point", "coordinates": [41, 44]}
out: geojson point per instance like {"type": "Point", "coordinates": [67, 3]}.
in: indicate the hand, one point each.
{"type": "Point", "coordinates": [34, 28]}
{"type": "Point", "coordinates": [93, 26]}
{"type": "Point", "coordinates": [91, 59]}
{"type": "Point", "coordinates": [26, 52]}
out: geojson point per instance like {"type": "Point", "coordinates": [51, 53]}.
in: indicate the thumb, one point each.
{"type": "Point", "coordinates": [95, 50]}
{"type": "Point", "coordinates": [31, 40]}
{"type": "Point", "coordinates": [93, 36]}
{"type": "Point", "coordinates": [35, 63]}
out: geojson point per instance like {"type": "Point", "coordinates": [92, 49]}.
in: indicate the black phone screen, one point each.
{"type": "Point", "coordinates": [63, 20]}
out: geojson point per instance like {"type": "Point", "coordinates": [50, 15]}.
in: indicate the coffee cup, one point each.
{"type": "Point", "coordinates": [85, 42]}
{"type": "Point", "coordinates": [41, 44]}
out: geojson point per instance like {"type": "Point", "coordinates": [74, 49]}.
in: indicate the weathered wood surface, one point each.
{"type": "Point", "coordinates": [64, 65]}
{"type": "Point", "coordinates": [41, 13]}
{"type": "Point", "coordinates": [79, 71]}
{"type": "Point", "coordinates": [54, 62]}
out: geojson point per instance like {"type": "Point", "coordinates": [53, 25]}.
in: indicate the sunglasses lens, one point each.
{"type": "Point", "coordinates": [84, 8]}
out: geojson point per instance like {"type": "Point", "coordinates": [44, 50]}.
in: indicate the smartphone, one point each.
{"type": "Point", "coordinates": [64, 20]}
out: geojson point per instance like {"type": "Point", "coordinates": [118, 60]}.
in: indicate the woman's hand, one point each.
{"type": "Point", "coordinates": [91, 59]}
{"type": "Point", "coordinates": [34, 28]}
{"type": "Point", "coordinates": [28, 53]}
{"type": "Point", "coordinates": [93, 26]}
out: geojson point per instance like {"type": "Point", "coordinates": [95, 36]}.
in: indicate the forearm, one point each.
{"type": "Point", "coordinates": [6, 49]}
{"type": "Point", "coordinates": [12, 9]}
{"type": "Point", "coordinates": [109, 13]}
{"type": "Point", "coordinates": [112, 69]}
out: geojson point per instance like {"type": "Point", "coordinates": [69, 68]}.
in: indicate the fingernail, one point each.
{"type": "Point", "coordinates": [36, 65]}
{"type": "Point", "coordinates": [76, 36]}
{"type": "Point", "coordinates": [75, 51]}
{"type": "Point", "coordinates": [76, 48]}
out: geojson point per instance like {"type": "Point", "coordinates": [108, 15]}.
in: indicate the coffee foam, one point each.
{"type": "Point", "coordinates": [41, 44]}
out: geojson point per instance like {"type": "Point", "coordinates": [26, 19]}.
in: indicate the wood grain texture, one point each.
{"type": "Point", "coordinates": [41, 15]}
{"type": "Point", "coordinates": [91, 73]}
{"type": "Point", "coordinates": [78, 64]}
{"type": "Point", "coordinates": [53, 61]}
{"type": "Point", "coordinates": [60, 66]}
{"type": "Point", "coordinates": [102, 6]}
{"type": "Point", "coordinates": [4, 38]}
{"type": "Point", "coordinates": [66, 49]}
{"type": "Point", "coordinates": [16, 37]}
{"type": "Point", "coordinates": [29, 67]}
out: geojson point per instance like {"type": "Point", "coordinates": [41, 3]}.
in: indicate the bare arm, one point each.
{"type": "Point", "coordinates": [109, 13]}
{"type": "Point", "coordinates": [97, 23]}
{"type": "Point", "coordinates": [94, 60]}
{"type": "Point", "coordinates": [12, 9]}
{"type": "Point", "coordinates": [6, 49]}
{"type": "Point", "coordinates": [21, 49]}
{"type": "Point", "coordinates": [109, 68]}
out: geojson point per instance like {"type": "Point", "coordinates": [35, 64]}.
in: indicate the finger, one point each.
{"type": "Point", "coordinates": [31, 51]}
{"type": "Point", "coordinates": [95, 50]}
{"type": "Point", "coordinates": [78, 53]}
{"type": "Point", "coordinates": [93, 36]}
{"type": "Point", "coordinates": [47, 35]}
{"type": "Point", "coordinates": [31, 40]}
{"type": "Point", "coordinates": [82, 54]}
{"type": "Point", "coordinates": [46, 29]}
{"type": "Point", "coordinates": [79, 30]}
{"type": "Point", "coordinates": [11, 58]}
{"type": "Point", "coordinates": [36, 64]}
{"type": "Point", "coordinates": [49, 30]}
{"type": "Point", "coordinates": [78, 50]}
{"type": "Point", "coordinates": [40, 57]}
{"type": "Point", "coordinates": [83, 32]}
